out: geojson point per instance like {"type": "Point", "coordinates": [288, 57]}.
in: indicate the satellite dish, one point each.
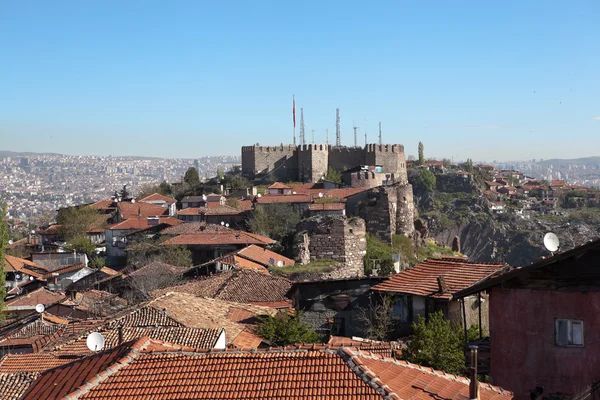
{"type": "Point", "coordinates": [320, 194]}
{"type": "Point", "coordinates": [133, 200]}
{"type": "Point", "coordinates": [280, 263]}
{"type": "Point", "coordinates": [226, 225]}
{"type": "Point", "coordinates": [31, 278]}
{"type": "Point", "coordinates": [204, 197]}
{"type": "Point", "coordinates": [259, 195]}
{"type": "Point", "coordinates": [10, 241]}
{"type": "Point", "coordinates": [293, 192]}
{"type": "Point", "coordinates": [95, 341]}
{"type": "Point", "coordinates": [222, 223]}
{"type": "Point", "coordinates": [40, 308]}
{"type": "Point", "coordinates": [551, 242]}
{"type": "Point", "coordinates": [18, 277]}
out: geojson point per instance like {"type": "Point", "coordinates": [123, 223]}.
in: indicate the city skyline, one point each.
{"type": "Point", "coordinates": [504, 82]}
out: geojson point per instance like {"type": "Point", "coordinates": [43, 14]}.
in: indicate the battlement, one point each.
{"type": "Point", "coordinates": [313, 147]}
{"type": "Point", "coordinates": [268, 149]}
{"type": "Point", "coordinates": [385, 148]}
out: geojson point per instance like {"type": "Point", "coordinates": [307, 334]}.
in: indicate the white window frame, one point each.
{"type": "Point", "coordinates": [569, 332]}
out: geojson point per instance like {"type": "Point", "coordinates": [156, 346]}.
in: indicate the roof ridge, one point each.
{"type": "Point", "coordinates": [362, 371]}
{"type": "Point", "coordinates": [132, 354]}
{"type": "Point", "coordinates": [358, 353]}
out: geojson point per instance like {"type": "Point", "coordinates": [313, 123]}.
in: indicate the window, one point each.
{"type": "Point", "coordinates": [568, 332]}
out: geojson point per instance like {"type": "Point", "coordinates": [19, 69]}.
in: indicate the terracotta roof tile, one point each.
{"type": "Point", "coordinates": [219, 210]}
{"type": "Point", "coordinates": [36, 362]}
{"type": "Point", "coordinates": [279, 185]}
{"type": "Point", "coordinates": [133, 210]}
{"type": "Point", "coordinates": [284, 198]}
{"type": "Point", "coordinates": [14, 385]}
{"type": "Point", "coordinates": [16, 264]}
{"type": "Point", "coordinates": [136, 222]}
{"type": "Point", "coordinates": [31, 299]}
{"type": "Point", "coordinates": [158, 197]}
{"type": "Point", "coordinates": [219, 238]}
{"type": "Point", "coordinates": [264, 256]}
{"type": "Point", "coordinates": [422, 279]}
{"type": "Point", "coordinates": [327, 206]}
{"type": "Point", "coordinates": [240, 286]}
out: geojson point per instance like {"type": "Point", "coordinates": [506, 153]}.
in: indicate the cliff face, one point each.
{"type": "Point", "coordinates": [514, 239]}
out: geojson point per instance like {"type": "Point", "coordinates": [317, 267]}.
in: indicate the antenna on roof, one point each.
{"type": "Point", "coordinates": [551, 242]}
{"type": "Point", "coordinates": [95, 341]}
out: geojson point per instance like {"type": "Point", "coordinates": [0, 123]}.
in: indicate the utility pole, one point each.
{"type": "Point", "coordinates": [338, 140]}
{"type": "Point", "coordinates": [379, 132]}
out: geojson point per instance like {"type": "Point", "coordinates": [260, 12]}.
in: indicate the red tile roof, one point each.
{"type": "Point", "coordinates": [422, 279]}
{"type": "Point", "coordinates": [220, 238]}
{"type": "Point", "coordinates": [16, 264]}
{"type": "Point", "coordinates": [193, 228]}
{"type": "Point", "coordinates": [31, 299]}
{"type": "Point", "coordinates": [283, 198]}
{"type": "Point", "coordinates": [264, 256]}
{"type": "Point", "coordinates": [36, 362]}
{"type": "Point", "coordinates": [133, 210]}
{"type": "Point", "coordinates": [14, 385]}
{"type": "Point", "coordinates": [142, 223]}
{"type": "Point", "coordinates": [279, 185]}
{"type": "Point", "coordinates": [158, 197]}
{"type": "Point", "coordinates": [106, 204]}
{"type": "Point", "coordinates": [327, 207]}
{"type": "Point", "coordinates": [219, 210]}
{"type": "Point", "coordinates": [152, 369]}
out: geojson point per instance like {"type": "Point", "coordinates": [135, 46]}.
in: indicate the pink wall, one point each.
{"type": "Point", "coordinates": [523, 353]}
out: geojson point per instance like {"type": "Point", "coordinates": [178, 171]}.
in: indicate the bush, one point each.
{"type": "Point", "coordinates": [378, 255]}
{"type": "Point", "coordinates": [285, 329]}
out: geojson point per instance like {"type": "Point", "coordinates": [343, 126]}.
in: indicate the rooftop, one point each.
{"type": "Point", "coordinates": [155, 197]}
{"type": "Point", "coordinates": [424, 278]}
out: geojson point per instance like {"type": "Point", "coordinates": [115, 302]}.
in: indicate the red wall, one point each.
{"type": "Point", "coordinates": [523, 353]}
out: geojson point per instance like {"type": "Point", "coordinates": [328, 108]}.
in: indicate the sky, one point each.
{"type": "Point", "coordinates": [506, 80]}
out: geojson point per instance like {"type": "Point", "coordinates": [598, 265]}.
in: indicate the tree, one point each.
{"type": "Point", "coordinates": [469, 165]}
{"type": "Point", "coordinates": [3, 242]}
{"type": "Point", "coordinates": [436, 344]}
{"type": "Point", "coordinates": [333, 176]}
{"type": "Point", "coordinates": [151, 277]}
{"type": "Point", "coordinates": [285, 329]}
{"type": "Point", "coordinates": [123, 193]}
{"type": "Point", "coordinates": [191, 177]}
{"type": "Point", "coordinates": [421, 153]}
{"type": "Point", "coordinates": [274, 220]}
{"type": "Point", "coordinates": [233, 202]}
{"type": "Point", "coordinates": [424, 181]}
{"type": "Point", "coordinates": [378, 256]}
{"type": "Point", "coordinates": [81, 244]}
{"type": "Point", "coordinates": [164, 188]}
{"type": "Point", "coordinates": [377, 320]}
{"type": "Point", "coordinates": [220, 174]}
{"type": "Point", "coordinates": [147, 251]}
{"type": "Point", "coordinates": [77, 221]}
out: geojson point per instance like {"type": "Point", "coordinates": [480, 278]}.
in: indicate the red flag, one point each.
{"type": "Point", "coordinates": [294, 110]}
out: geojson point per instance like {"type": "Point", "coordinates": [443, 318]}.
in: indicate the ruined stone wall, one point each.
{"type": "Point", "coordinates": [389, 210]}
{"type": "Point", "coordinates": [312, 162]}
{"type": "Point", "coordinates": [342, 158]}
{"type": "Point", "coordinates": [333, 238]}
{"type": "Point", "coordinates": [280, 161]}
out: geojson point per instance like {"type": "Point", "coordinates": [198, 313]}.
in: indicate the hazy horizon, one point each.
{"type": "Point", "coordinates": [506, 81]}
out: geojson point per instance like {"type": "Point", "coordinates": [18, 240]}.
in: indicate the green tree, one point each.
{"type": "Point", "coordinates": [285, 329]}
{"type": "Point", "coordinates": [274, 220]}
{"type": "Point", "coordinates": [220, 174]}
{"type": "Point", "coordinates": [3, 242]}
{"type": "Point", "coordinates": [81, 244]}
{"type": "Point", "coordinates": [469, 165]}
{"type": "Point", "coordinates": [147, 251]}
{"type": "Point", "coordinates": [424, 181]}
{"type": "Point", "coordinates": [191, 177]}
{"type": "Point", "coordinates": [233, 202]}
{"type": "Point", "coordinates": [333, 176]}
{"type": "Point", "coordinates": [378, 256]}
{"type": "Point", "coordinates": [436, 344]}
{"type": "Point", "coordinates": [421, 153]}
{"type": "Point", "coordinates": [77, 221]}
{"type": "Point", "coordinates": [164, 188]}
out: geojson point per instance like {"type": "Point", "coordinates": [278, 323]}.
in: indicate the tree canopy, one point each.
{"type": "Point", "coordinates": [147, 251]}
{"type": "Point", "coordinates": [191, 177]}
{"type": "Point", "coordinates": [378, 256]}
{"type": "Point", "coordinates": [421, 153]}
{"type": "Point", "coordinates": [274, 220]}
{"type": "Point", "coordinates": [285, 329]}
{"type": "Point", "coordinates": [424, 181]}
{"type": "Point", "coordinates": [333, 175]}
{"type": "Point", "coordinates": [164, 188]}
{"type": "Point", "coordinates": [77, 221]}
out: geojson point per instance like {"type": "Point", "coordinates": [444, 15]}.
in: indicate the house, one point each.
{"type": "Point", "coordinates": [163, 201]}
{"type": "Point", "coordinates": [544, 319]}
{"type": "Point", "coordinates": [19, 272]}
{"type": "Point", "coordinates": [136, 210]}
{"type": "Point", "coordinates": [214, 215]}
{"type": "Point", "coordinates": [299, 202]}
{"type": "Point", "coordinates": [26, 304]}
{"type": "Point", "coordinates": [430, 286]}
{"type": "Point", "coordinates": [279, 188]}
{"type": "Point", "coordinates": [210, 241]}
{"type": "Point", "coordinates": [203, 201]}
{"type": "Point", "coordinates": [327, 209]}
{"type": "Point", "coordinates": [157, 369]}
{"type": "Point", "coordinates": [239, 286]}
{"type": "Point", "coordinates": [332, 307]}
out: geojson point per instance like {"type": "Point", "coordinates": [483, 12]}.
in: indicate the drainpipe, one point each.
{"type": "Point", "coordinates": [474, 384]}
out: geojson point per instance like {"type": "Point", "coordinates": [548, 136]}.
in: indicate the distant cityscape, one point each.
{"type": "Point", "coordinates": [36, 185]}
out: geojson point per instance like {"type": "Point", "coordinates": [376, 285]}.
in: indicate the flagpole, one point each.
{"type": "Point", "coordinates": [294, 116]}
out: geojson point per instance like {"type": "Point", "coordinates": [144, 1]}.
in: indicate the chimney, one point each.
{"type": "Point", "coordinates": [120, 334]}
{"type": "Point", "coordinates": [442, 284]}
{"type": "Point", "coordinates": [474, 384]}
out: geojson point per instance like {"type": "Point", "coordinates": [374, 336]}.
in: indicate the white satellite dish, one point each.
{"type": "Point", "coordinates": [259, 195]}
{"type": "Point", "coordinates": [95, 341]}
{"type": "Point", "coordinates": [226, 225]}
{"type": "Point", "coordinates": [204, 197]}
{"type": "Point", "coordinates": [40, 308]}
{"type": "Point", "coordinates": [320, 194]}
{"type": "Point", "coordinates": [280, 263]}
{"type": "Point", "coordinates": [551, 242]}
{"type": "Point", "coordinates": [31, 278]}
{"type": "Point", "coordinates": [222, 223]}
{"type": "Point", "coordinates": [10, 241]}
{"type": "Point", "coordinates": [132, 200]}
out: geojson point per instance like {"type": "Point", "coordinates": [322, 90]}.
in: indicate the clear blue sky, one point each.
{"type": "Point", "coordinates": [508, 80]}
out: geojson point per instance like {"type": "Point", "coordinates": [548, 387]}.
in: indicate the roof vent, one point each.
{"type": "Point", "coordinates": [442, 284]}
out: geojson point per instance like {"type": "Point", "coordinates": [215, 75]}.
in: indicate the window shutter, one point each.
{"type": "Point", "coordinates": [577, 333]}
{"type": "Point", "coordinates": [562, 329]}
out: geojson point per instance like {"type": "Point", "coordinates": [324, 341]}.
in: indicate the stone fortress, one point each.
{"type": "Point", "coordinates": [310, 162]}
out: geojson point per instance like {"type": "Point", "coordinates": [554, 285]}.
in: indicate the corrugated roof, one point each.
{"type": "Point", "coordinates": [422, 279]}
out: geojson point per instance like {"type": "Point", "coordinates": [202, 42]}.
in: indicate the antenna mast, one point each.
{"type": "Point", "coordinates": [379, 132]}
{"type": "Point", "coordinates": [302, 139]}
{"type": "Point", "coordinates": [355, 135]}
{"type": "Point", "coordinates": [338, 139]}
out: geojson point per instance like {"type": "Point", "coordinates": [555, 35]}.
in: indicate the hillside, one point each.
{"type": "Point", "coordinates": [574, 161]}
{"type": "Point", "coordinates": [486, 236]}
